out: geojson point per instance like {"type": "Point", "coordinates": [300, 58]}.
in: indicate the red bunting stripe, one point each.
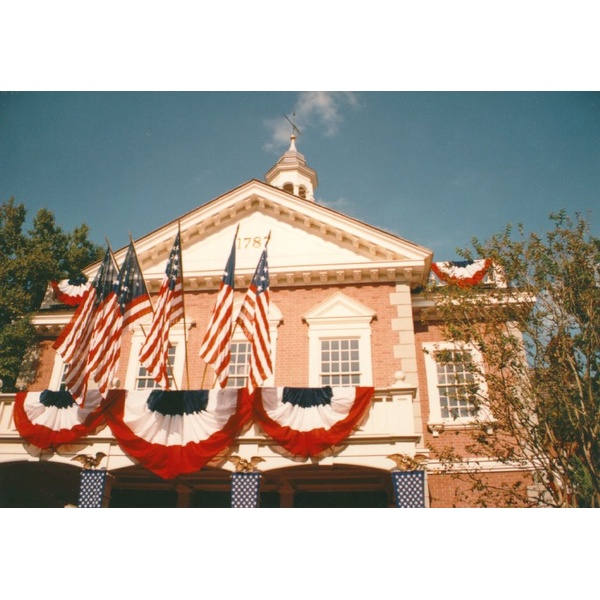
{"type": "Point", "coordinates": [69, 294]}
{"type": "Point", "coordinates": [311, 431]}
{"type": "Point", "coordinates": [172, 445]}
{"type": "Point", "coordinates": [463, 276]}
{"type": "Point", "coordinates": [49, 426]}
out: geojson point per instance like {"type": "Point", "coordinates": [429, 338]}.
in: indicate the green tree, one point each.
{"type": "Point", "coordinates": [539, 337]}
{"type": "Point", "coordinates": [28, 261]}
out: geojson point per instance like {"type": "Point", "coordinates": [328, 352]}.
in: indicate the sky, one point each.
{"type": "Point", "coordinates": [435, 168]}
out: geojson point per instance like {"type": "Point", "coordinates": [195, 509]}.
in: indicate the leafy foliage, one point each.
{"type": "Point", "coordinates": [28, 261]}
{"type": "Point", "coordinates": [539, 336]}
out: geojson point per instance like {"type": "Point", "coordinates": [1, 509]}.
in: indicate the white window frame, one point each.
{"type": "Point", "coordinates": [339, 317]}
{"type": "Point", "coordinates": [436, 422]}
{"type": "Point", "coordinates": [237, 339]}
{"type": "Point", "coordinates": [172, 351]}
{"type": "Point", "coordinates": [58, 373]}
{"type": "Point", "coordinates": [351, 374]}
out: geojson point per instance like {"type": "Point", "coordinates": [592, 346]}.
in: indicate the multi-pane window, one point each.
{"type": "Point", "coordinates": [457, 387]}
{"type": "Point", "coordinates": [340, 364]}
{"type": "Point", "coordinates": [238, 364]}
{"type": "Point", "coordinates": [144, 381]}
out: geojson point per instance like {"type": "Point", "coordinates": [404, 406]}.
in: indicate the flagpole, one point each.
{"type": "Point", "coordinates": [187, 368]}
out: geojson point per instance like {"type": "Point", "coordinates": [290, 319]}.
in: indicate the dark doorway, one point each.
{"type": "Point", "coordinates": [361, 499]}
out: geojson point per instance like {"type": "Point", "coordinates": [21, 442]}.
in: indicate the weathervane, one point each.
{"type": "Point", "coordinates": [293, 124]}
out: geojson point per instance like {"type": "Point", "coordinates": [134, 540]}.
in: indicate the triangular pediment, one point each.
{"type": "Point", "coordinates": [339, 306]}
{"type": "Point", "coordinates": [308, 244]}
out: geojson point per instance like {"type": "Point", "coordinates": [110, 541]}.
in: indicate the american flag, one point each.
{"type": "Point", "coordinates": [105, 344]}
{"type": "Point", "coordinates": [73, 344]}
{"type": "Point", "coordinates": [169, 309]}
{"type": "Point", "coordinates": [215, 349]}
{"type": "Point", "coordinates": [133, 296]}
{"type": "Point", "coordinates": [253, 318]}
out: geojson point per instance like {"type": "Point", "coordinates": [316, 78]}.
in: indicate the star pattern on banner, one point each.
{"type": "Point", "coordinates": [91, 488]}
{"type": "Point", "coordinates": [409, 488]}
{"type": "Point", "coordinates": [244, 490]}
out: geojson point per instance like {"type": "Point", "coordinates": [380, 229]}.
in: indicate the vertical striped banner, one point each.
{"type": "Point", "coordinates": [409, 488]}
{"type": "Point", "coordinates": [245, 488]}
{"type": "Point", "coordinates": [94, 489]}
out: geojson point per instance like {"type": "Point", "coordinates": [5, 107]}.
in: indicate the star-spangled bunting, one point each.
{"type": "Point", "coordinates": [253, 319]}
{"type": "Point", "coordinates": [245, 488]}
{"type": "Point", "coordinates": [154, 354]}
{"type": "Point", "coordinates": [215, 349]}
{"type": "Point", "coordinates": [409, 489]}
{"type": "Point", "coordinates": [92, 485]}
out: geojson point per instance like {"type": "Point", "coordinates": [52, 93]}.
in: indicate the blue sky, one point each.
{"type": "Point", "coordinates": [436, 168]}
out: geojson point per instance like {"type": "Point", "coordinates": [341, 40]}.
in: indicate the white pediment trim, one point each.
{"type": "Point", "coordinates": [338, 307]}
{"type": "Point", "coordinates": [361, 252]}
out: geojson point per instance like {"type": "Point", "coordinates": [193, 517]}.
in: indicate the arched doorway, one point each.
{"type": "Point", "coordinates": [304, 486]}
{"type": "Point", "coordinates": [41, 484]}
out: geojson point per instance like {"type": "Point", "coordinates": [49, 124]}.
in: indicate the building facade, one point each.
{"type": "Point", "coordinates": [346, 310]}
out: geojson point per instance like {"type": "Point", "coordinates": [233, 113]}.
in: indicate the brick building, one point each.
{"type": "Point", "coordinates": [337, 285]}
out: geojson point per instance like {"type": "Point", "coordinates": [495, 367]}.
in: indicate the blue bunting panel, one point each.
{"type": "Point", "coordinates": [245, 488]}
{"type": "Point", "coordinates": [409, 488]}
{"type": "Point", "coordinates": [93, 492]}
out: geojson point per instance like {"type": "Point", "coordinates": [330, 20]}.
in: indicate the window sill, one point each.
{"type": "Point", "coordinates": [438, 427]}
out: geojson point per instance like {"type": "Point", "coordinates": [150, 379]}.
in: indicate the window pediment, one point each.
{"type": "Point", "coordinates": [339, 307]}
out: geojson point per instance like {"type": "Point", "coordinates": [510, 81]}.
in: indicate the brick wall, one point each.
{"type": "Point", "coordinates": [445, 491]}
{"type": "Point", "coordinates": [291, 367]}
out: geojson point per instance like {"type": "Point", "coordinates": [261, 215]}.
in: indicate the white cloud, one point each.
{"type": "Point", "coordinates": [322, 109]}
{"type": "Point", "coordinates": [338, 204]}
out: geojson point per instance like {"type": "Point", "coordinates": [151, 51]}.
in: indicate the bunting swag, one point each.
{"type": "Point", "coordinates": [70, 291]}
{"type": "Point", "coordinates": [177, 432]}
{"type": "Point", "coordinates": [466, 273]}
{"type": "Point", "coordinates": [48, 419]}
{"type": "Point", "coordinates": [308, 421]}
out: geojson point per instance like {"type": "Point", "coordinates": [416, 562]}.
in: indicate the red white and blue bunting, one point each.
{"type": "Point", "coordinates": [310, 421]}
{"type": "Point", "coordinates": [465, 273]}
{"type": "Point", "coordinates": [70, 292]}
{"type": "Point", "coordinates": [49, 419]}
{"type": "Point", "coordinates": [176, 432]}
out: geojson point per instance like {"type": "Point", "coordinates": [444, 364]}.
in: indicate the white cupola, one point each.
{"type": "Point", "coordinates": [292, 175]}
